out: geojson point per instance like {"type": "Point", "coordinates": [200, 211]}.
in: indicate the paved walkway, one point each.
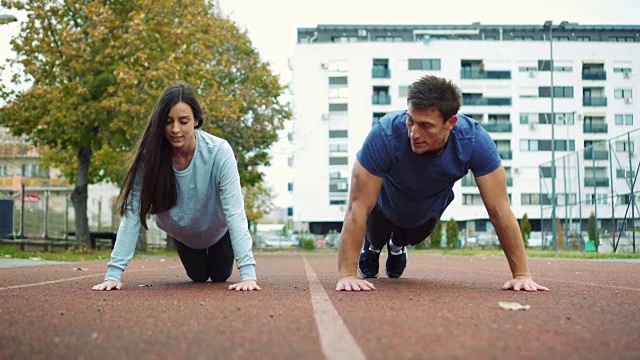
{"type": "Point", "coordinates": [445, 307]}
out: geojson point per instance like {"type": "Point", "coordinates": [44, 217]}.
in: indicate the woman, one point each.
{"type": "Point", "coordinates": [188, 179]}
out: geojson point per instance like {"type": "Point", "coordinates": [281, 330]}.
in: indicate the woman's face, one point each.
{"type": "Point", "coordinates": [179, 127]}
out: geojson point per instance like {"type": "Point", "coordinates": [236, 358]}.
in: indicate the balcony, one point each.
{"type": "Point", "coordinates": [468, 73]}
{"type": "Point", "coordinates": [468, 180]}
{"type": "Point", "coordinates": [505, 154]}
{"type": "Point", "coordinates": [380, 73]}
{"type": "Point", "coordinates": [596, 154]}
{"type": "Point", "coordinates": [594, 75]}
{"type": "Point", "coordinates": [598, 181]}
{"type": "Point", "coordinates": [381, 99]}
{"type": "Point", "coordinates": [594, 101]}
{"type": "Point", "coordinates": [595, 128]}
{"type": "Point", "coordinates": [497, 127]}
{"type": "Point", "coordinates": [480, 101]}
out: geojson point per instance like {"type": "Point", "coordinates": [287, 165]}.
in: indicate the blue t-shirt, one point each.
{"type": "Point", "coordinates": [417, 188]}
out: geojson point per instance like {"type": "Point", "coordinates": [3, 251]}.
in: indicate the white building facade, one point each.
{"type": "Point", "coordinates": [346, 77]}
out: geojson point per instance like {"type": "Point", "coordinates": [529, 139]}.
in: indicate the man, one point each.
{"type": "Point", "coordinates": [403, 181]}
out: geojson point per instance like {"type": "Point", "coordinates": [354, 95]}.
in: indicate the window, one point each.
{"type": "Point", "coordinates": [624, 174]}
{"type": "Point", "coordinates": [337, 202]}
{"type": "Point", "coordinates": [471, 199]}
{"type": "Point", "coordinates": [545, 145]}
{"type": "Point", "coordinates": [338, 107]}
{"type": "Point", "coordinates": [3, 170]}
{"type": "Point", "coordinates": [376, 117]}
{"type": "Point", "coordinates": [337, 148]}
{"type": "Point", "coordinates": [534, 199]}
{"type": "Point", "coordinates": [583, 38]}
{"type": "Point", "coordinates": [341, 160]}
{"type": "Point", "coordinates": [424, 64]}
{"type": "Point", "coordinates": [623, 93]}
{"type": "Point", "coordinates": [389, 38]}
{"type": "Point", "coordinates": [545, 171]}
{"type": "Point", "coordinates": [526, 118]}
{"type": "Point", "coordinates": [403, 91]}
{"type": "Point", "coordinates": [596, 198]}
{"type": "Point", "coordinates": [334, 134]}
{"type": "Point", "coordinates": [544, 65]}
{"type": "Point", "coordinates": [344, 39]}
{"type": "Point", "coordinates": [527, 68]}
{"type": "Point", "coordinates": [624, 146]}
{"type": "Point", "coordinates": [624, 119]}
{"type": "Point", "coordinates": [338, 80]}
{"type": "Point", "coordinates": [621, 70]}
{"type": "Point", "coordinates": [558, 91]}
{"type": "Point", "coordinates": [561, 118]}
{"type": "Point", "coordinates": [338, 93]}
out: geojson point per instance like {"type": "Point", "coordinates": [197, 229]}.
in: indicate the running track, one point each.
{"type": "Point", "coordinates": [444, 307]}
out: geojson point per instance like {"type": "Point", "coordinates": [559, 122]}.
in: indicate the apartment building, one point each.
{"type": "Point", "coordinates": [512, 79]}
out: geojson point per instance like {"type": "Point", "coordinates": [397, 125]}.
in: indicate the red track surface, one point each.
{"type": "Point", "coordinates": [442, 308]}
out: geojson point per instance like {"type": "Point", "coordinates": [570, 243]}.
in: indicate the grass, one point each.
{"type": "Point", "coordinates": [104, 255]}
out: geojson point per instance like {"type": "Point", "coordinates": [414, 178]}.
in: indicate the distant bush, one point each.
{"type": "Point", "coordinates": [308, 243]}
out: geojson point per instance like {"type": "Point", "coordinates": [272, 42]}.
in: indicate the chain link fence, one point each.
{"type": "Point", "coordinates": [599, 183]}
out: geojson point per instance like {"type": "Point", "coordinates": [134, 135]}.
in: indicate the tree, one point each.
{"type": "Point", "coordinates": [436, 236]}
{"type": "Point", "coordinates": [560, 242]}
{"type": "Point", "coordinates": [452, 233]}
{"type": "Point", "coordinates": [525, 229]}
{"type": "Point", "coordinates": [257, 202]}
{"type": "Point", "coordinates": [592, 230]}
{"type": "Point", "coordinates": [96, 68]}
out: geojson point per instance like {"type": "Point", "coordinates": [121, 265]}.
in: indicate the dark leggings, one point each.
{"type": "Point", "coordinates": [215, 262]}
{"type": "Point", "coordinates": [380, 230]}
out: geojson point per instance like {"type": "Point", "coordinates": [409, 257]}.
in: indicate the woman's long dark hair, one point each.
{"type": "Point", "coordinates": [151, 172]}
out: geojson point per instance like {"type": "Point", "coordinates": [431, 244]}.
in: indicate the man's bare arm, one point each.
{"type": "Point", "coordinates": [493, 190]}
{"type": "Point", "coordinates": [363, 194]}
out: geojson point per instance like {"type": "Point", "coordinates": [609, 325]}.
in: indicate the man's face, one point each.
{"type": "Point", "coordinates": [428, 132]}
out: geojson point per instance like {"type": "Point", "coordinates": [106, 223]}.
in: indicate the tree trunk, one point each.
{"type": "Point", "coordinates": [79, 198]}
{"type": "Point", "coordinates": [141, 244]}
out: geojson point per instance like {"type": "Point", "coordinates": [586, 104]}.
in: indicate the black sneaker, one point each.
{"type": "Point", "coordinates": [396, 263]}
{"type": "Point", "coordinates": [369, 262]}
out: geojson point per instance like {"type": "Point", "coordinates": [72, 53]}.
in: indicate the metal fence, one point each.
{"type": "Point", "coordinates": [38, 214]}
{"type": "Point", "coordinates": [599, 181]}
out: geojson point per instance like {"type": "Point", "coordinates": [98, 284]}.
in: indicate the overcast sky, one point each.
{"type": "Point", "coordinates": [272, 24]}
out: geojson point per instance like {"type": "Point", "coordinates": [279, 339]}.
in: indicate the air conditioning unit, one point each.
{"type": "Point", "coordinates": [362, 32]}
{"type": "Point", "coordinates": [626, 74]}
{"type": "Point", "coordinates": [532, 74]}
{"type": "Point", "coordinates": [532, 126]}
{"type": "Point", "coordinates": [325, 116]}
{"type": "Point", "coordinates": [628, 100]}
{"type": "Point", "coordinates": [516, 171]}
{"type": "Point", "coordinates": [324, 66]}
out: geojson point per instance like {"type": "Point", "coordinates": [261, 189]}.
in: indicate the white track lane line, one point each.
{"type": "Point", "coordinates": [74, 278]}
{"type": "Point", "coordinates": [336, 340]}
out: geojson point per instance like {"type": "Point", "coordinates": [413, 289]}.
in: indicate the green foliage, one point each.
{"type": "Point", "coordinates": [436, 236]}
{"type": "Point", "coordinates": [452, 233]}
{"type": "Point", "coordinates": [96, 68]}
{"type": "Point", "coordinates": [525, 229]}
{"type": "Point", "coordinates": [591, 227]}
{"type": "Point", "coordinates": [308, 243]}
{"type": "Point", "coordinates": [257, 202]}
{"type": "Point", "coordinates": [421, 245]}
{"type": "Point", "coordinates": [560, 238]}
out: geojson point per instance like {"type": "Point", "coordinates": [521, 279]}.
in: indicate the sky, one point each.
{"type": "Point", "coordinates": [272, 25]}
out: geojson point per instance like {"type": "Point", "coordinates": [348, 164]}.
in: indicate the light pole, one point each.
{"type": "Point", "coordinates": [6, 19]}
{"type": "Point", "coordinates": [549, 25]}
